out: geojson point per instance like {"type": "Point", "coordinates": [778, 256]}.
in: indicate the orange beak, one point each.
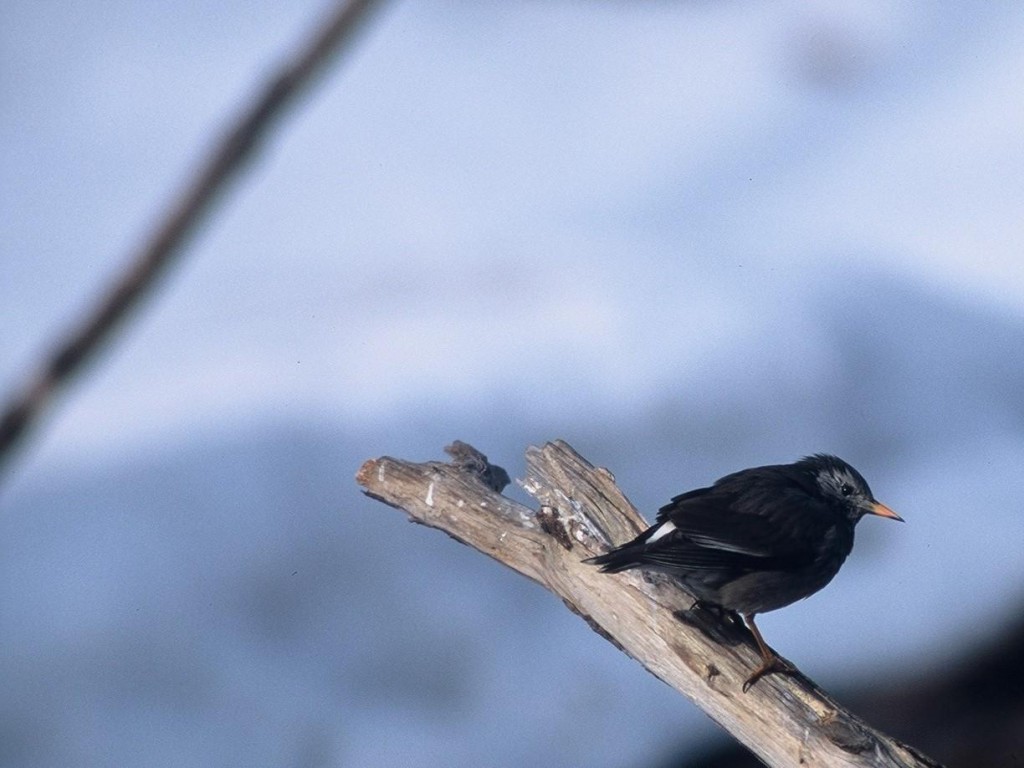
{"type": "Point", "coordinates": [878, 508]}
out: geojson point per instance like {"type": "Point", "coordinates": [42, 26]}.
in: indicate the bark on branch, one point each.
{"type": "Point", "coordinates": [786, 721]}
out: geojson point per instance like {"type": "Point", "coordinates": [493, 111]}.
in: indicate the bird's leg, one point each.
{"type": "Point", "coordinates": [771, 663]}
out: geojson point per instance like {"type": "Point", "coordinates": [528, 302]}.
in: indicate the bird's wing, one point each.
{"type": "Point", "coordinates": [751, 526]}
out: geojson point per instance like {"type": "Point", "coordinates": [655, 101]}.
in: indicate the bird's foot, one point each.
{"type": "Point", "coordinates": [724, 615]}
{"type": "Point", "coordinates": [773, 666]}
{"type": "Point", "coordinates": [714, 621]}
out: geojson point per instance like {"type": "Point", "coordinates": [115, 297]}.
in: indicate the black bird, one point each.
{"type": "Point", "coordinates": [756, 540]}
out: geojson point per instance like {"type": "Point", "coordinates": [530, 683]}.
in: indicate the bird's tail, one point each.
{"type": "Point", "coordinates": [620, 559]}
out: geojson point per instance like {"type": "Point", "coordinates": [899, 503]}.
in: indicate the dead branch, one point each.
{"type": "Point", "coordinates": [181, 219]}
{"type": "Point", "coordinates": [786, 721]}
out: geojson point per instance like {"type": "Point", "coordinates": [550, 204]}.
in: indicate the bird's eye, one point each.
{"type": "Point", "coordinates": [846, 489]}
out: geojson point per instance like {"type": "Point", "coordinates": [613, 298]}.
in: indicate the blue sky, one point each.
{"type": "Point", "coordinates": [621, 179]}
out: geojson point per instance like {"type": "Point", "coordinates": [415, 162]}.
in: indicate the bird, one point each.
{"type": "Point", "coordinates": [756, 540]}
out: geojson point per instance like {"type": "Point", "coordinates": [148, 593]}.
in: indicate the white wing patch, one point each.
{"type": "Point", "coordinates": [663, 530]}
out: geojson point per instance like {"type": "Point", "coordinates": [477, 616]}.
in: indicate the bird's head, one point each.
{"type": "Point", "coordinates": [846, 487]}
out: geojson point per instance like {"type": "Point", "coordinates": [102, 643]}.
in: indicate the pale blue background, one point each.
{"type": "Point", "coordinates": [685, 237]}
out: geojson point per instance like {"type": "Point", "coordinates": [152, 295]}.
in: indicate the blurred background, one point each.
{"type": "Point", "coordinates": [686, 237]}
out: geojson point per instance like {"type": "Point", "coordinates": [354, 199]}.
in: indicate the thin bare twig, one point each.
{"type": "Point", "coordinates": [181, 220]}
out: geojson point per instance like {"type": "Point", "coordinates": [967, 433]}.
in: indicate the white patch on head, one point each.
{"type": "Point", "coordinates": [663, 530]}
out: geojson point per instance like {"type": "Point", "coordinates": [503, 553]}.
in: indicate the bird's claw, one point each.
{"type": "Point", "coordinates": [773, 666]}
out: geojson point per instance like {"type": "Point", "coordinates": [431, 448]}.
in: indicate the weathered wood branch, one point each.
{"type": "Point", "coordinates": [786, 721]}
